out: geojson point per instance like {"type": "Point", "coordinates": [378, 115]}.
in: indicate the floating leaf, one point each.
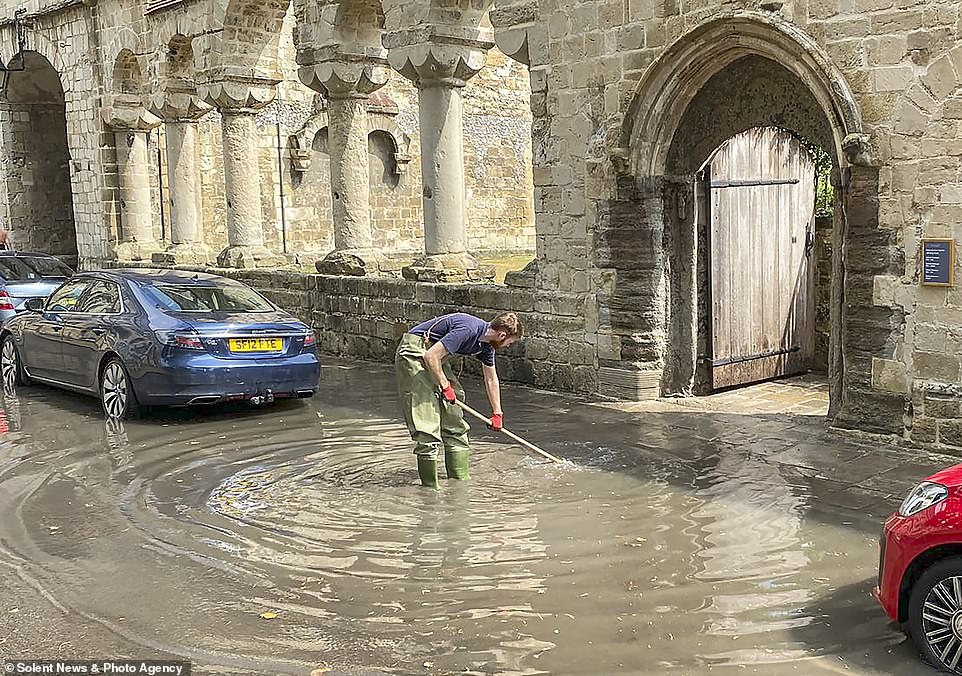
{"type": "Point", "coordinates": [268, 615]}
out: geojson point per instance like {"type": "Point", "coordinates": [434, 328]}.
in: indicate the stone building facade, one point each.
{"type": "Point", "coordinates": [150, 112]}
{"type": "Point", "coordinates": [628, 99]}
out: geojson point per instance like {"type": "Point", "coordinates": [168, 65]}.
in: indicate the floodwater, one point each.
{"type": "Point", "coordinates": [293, 537]}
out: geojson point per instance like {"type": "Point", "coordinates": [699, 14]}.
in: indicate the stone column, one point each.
{"type": "Point", "coordinates": [130, 124]}
{"type": "Point", "coordinates": [182, 180]}
{"type": "Point", "coordinates": [442, 166]}
{"type": "Point", "coordinates": [187, 246]}
{"type": "Point", "coordinates": [347, 82]}
{"type": "Point", "coordinates": [238, 103]}
{"type": "Point", "coordinates": [440, 68]}
{"type": "Point", "coordinates": [245, 222]}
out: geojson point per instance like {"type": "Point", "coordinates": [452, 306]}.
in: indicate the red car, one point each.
{"type": "Point", "coordinates": [920, 568]}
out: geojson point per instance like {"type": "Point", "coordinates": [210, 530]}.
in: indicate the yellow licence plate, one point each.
{"type": "Point", "coordinates": [256, 345]}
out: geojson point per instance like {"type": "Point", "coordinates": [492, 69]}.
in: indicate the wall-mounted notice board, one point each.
{"type": "Point", "coordinates": [938, 262]}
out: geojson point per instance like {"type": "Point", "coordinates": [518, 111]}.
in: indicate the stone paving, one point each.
{"type": "Point", "coordinates": [803, 395]}
{"type": "Point", "coordinates": [784, 422]}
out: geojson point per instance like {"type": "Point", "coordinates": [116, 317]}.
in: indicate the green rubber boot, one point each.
{"type": "Point", "coordinates": [428, 471]}
{"type": "Point", "coordinates": [456, 465]}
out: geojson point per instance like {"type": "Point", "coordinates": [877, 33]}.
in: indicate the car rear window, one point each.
{"type": "Point", "coordinates": [20, 269]}
{"type": "Point", "coordinates": [207, 298]}
{"type": "Point", "coordinates": [48, 267]}
{"type": "Point", "coordinates": [15, 269]}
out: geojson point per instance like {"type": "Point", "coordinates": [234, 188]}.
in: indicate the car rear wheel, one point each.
{"type": "Point", "coordinates": [11, 367]}
{"type": "Point", "coordinates": [116, 393]}
{"type": "Point", "coordinates": [935, 615]}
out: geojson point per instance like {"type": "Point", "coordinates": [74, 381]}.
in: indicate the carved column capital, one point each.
{"type": "Point", "coordinates": [127, 112]}
{"type": "Point", "coordinates": [224, 89]}
{"type": "Point", "coordinates": [436, 55]}
{"type": "Point", "coordinates": [519, 31]}
{"type": "Point", "coordinates": [337, 73]}
{"type": "Point", "coordinates": [178, 102]}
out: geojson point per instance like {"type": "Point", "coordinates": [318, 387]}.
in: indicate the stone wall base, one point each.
{"type": "Point", "coordinates": [183, 254]}
{"type": "Point", "coordinates": [936, 419]}
{"type": "Point", "coordinates": [459, 267]}
{"type": "Point", "coordinates": [364, 317]}
{"type": "Point", "coordinates": [629, 384]}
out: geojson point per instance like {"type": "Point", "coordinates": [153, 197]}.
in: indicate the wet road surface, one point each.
{"type": "Point", "coordinates": [280, 540]}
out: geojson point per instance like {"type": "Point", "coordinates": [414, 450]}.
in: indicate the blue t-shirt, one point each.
{"type": "Point", "coordinates": [460, 333]}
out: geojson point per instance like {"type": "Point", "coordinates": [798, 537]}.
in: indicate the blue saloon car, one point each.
{"type": "Point", "coordinates": [145, 337]}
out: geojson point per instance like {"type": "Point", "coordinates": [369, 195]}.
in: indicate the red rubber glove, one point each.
{"type": "Point", "coordinates": [496, 422]}
{"type": "Point", "coordinates": [448, 395]}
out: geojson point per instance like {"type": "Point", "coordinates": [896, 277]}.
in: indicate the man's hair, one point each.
{"type": "Point", "coordinates": [509, 323]}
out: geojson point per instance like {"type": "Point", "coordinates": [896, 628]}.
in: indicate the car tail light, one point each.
{"type": "Point", "coordinates": [188, 342]}
{"type": "Point", "coordinates": [182, 339]}
{"type": "Point", "coordinates": [5, 302]}
{"type": "Point", "coordinates": [310, 340]}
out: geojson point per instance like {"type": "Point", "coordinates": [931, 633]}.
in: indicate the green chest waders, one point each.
{"type": "Point", "coordinates": [433, 424]}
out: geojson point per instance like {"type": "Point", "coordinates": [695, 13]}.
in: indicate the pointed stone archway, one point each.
{"type": "Point", "coordinates": [34, 160]}
{"type": "Point", "coordinates": [676, 119]}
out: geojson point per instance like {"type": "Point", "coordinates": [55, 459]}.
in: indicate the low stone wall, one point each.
{"type": "Point", "coordinates": [936, 419]}
{"type": "Point", "coordinates": [363, 318]}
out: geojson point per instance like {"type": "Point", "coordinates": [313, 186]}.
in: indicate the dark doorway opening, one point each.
{"type": "Point", "coordinates": [36, 160]}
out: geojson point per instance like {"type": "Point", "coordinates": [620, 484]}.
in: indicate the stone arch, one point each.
{"type": "Point", "coordinates": [34, 168]}
{"type": "Point", "coordinates": [127, 76]}
{"type": "Point", "coordinates": [180, 58]}
{"type": "Point", "coordinates": [174, 29]}
{"type": "Point", "coordinates": [242, 39]}
{"type": "Point", "coordinates": [359, 22]}
{"type": "Point", "coordinates": [650, 237]}
{"type": "Point", "coordinates": [40, 44]}
{"type": "Point", "coordinates": [38, 83]}
{"type": "Point", "coordinates": [300, 144]}
{"type": "Point", "coordinates": [670, 84]}
{"type": "Point", "coordinates": [128, 64]}
{"type": "Point", "coordinates": [166, 26]}
{"type": "Point", "coordinates": [384, 176]}
{"type": "Point", "coordinates": [173, 82]}
{"type": "Point", "coordinates": [752, 85]}
{"type": "Point", "coordinates": [399, 141]}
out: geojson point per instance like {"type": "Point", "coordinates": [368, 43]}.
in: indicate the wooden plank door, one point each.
{"type": "Point", "coordinates": [762, 220]}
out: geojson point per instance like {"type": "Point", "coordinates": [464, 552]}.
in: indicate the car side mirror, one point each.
{"type": "Point", "coordinates": [35, 304]}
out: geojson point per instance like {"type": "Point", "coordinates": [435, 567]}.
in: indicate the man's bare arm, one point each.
{"type": "Point", "coordinates": [432, 360]}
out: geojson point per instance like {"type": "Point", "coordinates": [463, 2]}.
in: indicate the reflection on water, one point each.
{"type": "Point", "coordinates": [296, 535]}
{"type": "Point", "coordinates": [750, 521]}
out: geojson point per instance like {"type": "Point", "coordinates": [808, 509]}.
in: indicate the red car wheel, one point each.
{"type": "Point", "coordinates": [935, 615]}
